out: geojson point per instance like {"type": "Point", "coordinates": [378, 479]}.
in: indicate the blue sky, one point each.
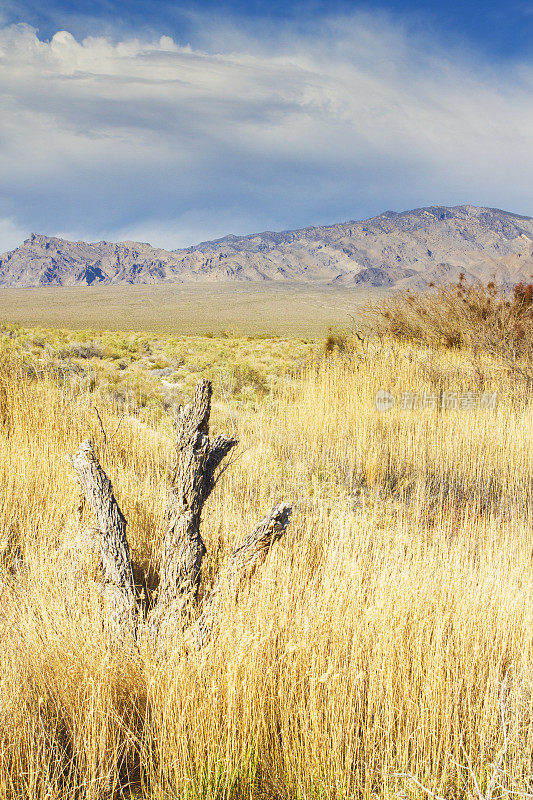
{"type": "Point", "coordinates": [499, 29]}
{"type": "Point", "coordinates": [175, 123]}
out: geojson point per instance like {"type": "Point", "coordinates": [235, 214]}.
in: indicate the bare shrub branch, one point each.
{"type": "Point", "coordinates": [117, 573]}
{"type": "Point", "coordinates": [240, 566]}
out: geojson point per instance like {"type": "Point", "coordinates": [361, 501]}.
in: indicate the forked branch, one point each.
{"type": "Point", "coordinates": [196, 460]}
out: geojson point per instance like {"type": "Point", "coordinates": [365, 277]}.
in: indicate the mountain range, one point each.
{"type": "Point", "coordinates": [407, 249]}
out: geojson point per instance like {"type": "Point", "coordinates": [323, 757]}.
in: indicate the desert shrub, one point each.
{"type": "Point", "coordinates": [83, 350]}
{"type": "Point", "coordinates": [246, 377]}
{"type": "Point", "coordinates": [478, 316]}
{"type": "Point", "coordinates": [335, 342]}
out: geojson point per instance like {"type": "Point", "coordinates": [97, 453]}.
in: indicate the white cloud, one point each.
{"type": "Point", "coordinates": [256, 130]}
{"type": "Point", "coordinates": [11, 235]}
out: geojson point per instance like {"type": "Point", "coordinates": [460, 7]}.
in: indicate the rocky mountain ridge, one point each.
{"type": "Point", "coordinates": [412, 248]}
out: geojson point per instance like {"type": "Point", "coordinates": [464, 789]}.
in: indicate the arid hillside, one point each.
{"type": "Point", "coordinates": [413, 248]}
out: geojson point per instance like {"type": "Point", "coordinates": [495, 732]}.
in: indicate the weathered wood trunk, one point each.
{"type": "Point", "coordinates": [192, 479]}
{"type": "Point", "coordinates": [117, 573]}
{"type": "Point", "coordinates": [240, 566]}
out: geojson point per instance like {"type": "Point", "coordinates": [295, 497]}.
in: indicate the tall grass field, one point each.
{"type": "Point", "coordinates": [384, 649]}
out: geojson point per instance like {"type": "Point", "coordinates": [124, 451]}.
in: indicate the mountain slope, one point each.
{"type": "Point", "coordinates": [411, 248]}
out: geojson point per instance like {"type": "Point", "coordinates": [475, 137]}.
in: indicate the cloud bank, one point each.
{"type": "Point", "coordinates": [158, 141]}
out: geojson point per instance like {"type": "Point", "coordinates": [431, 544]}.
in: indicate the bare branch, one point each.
{"type": "Point", "coordinates": [102, 428]}
{"type": "Point", "coordinates": [218, 450]}
{"type": "Point", "coordinates": [417, 783]}
{"type": "Point", "coordinates": [117, 571]}
{"type": "Point", "coordinates": [240, 566]}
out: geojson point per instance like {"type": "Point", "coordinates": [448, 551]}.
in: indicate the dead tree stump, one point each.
{"type": "Point", "coordinates": [193, 477]}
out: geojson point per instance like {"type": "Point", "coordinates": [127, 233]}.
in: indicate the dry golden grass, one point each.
{"type": "Point", "coordinates": [373, 641]}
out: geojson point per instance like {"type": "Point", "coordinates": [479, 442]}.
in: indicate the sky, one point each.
{"type": "Point", "coordinates": [175, 123]}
